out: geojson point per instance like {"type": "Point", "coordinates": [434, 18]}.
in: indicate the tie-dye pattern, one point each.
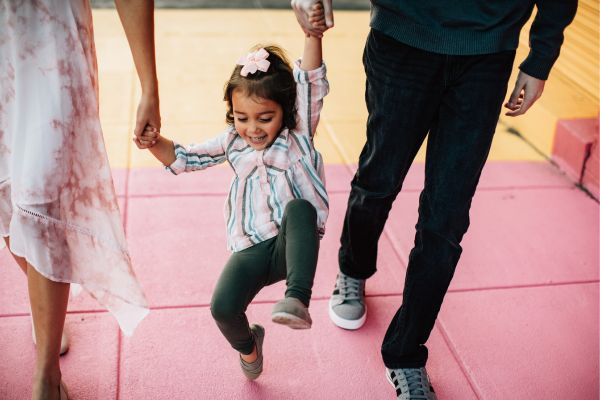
{"type": "Point", "coordinates": [57, 199]}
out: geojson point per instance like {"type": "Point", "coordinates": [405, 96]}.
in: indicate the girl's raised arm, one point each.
{"type": "Point", "coordinates": [313, 54]}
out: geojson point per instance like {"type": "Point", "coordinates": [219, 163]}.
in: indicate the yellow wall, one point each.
{"type": "Point", "coordinates": [572, 88]}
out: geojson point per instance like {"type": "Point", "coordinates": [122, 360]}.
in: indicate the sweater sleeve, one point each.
{"type": "Point", "coordinates": [547, 35]}
{"type": "Point", "coordinates": [199, 156]}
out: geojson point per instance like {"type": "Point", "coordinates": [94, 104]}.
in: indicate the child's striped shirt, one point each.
{"type": "Point", "coordinates": [266, 180]}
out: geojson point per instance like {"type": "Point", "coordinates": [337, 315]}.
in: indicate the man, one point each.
{"type": "Point", "coordinates": [439, 69]}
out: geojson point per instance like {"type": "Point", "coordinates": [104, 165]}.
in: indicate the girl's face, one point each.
{"type": "Point", "coordinates": [257, 120]}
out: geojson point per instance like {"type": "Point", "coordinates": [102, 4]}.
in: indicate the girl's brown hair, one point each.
{"type": "Point", "coordinates": [276, 84]}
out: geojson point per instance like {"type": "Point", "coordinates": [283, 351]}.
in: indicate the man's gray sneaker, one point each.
{"type": "Point", "coordinates": [411, 383]}
{"type": "Point", "coordinates": [253, 370]}
{"type": "Point", "coordinates": [347, 308]}
{"type": "Point", "coordinates": [291, 312]}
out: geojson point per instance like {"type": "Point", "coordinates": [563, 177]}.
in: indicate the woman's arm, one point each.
{"type": "Point", "coordinates": [137, 18]}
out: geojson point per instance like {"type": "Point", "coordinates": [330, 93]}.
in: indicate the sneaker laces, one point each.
{"type": "Point", "coordinates": [414, 380]}
{"type": "Point", "coordinates": [350, 288]}
{"type": "Point", "coordinates": [416, 383]}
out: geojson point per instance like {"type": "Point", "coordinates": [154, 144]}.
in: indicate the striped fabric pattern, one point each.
{"type": "Point", "coordinates": [266, 180]}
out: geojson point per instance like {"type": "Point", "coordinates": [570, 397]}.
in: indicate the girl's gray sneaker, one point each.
{"type": "Point", "coordinates": [411, 383]}
{"type": "Point", "coordinates": [347, 308]}
{"type": "Point", "coordinates": [253, 370]}
{"type": "Point", "coordinates": [291, 312]}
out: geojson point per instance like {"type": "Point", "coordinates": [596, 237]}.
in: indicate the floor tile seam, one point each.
{"type": "Point", "coordinates": [71, 312]}
{"type": "Point", "coordinates": [343, 191]}
{"type": "Point", "coordinates": [118, 372]}
{"type": "Point", "coordinates": [483, 188]}
{"type": "Point", "coordinates": [527, 187]}
{"type": "Point", "coordinates": [15, 315]}
{"type": "Point", "coordinates": [326, 298]}
{"type": "Point", "coordinates": [127, 196]}
{"type": "Point", "coordinates": [198, 194]}
{"type": "Point", "coordinates": [461, 363]}
{"type": "Point", "coordinates": [190, 306]}
{"type": "Point", "coordinates": [526, 286]}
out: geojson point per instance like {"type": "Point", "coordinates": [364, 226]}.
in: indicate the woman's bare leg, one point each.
{"type": "Point", "coordinates": [64, 343]}
{"type": "Point", "coordinates": [20, 260]}
{"type": "Point", "coordinates": [49, 300]}
{"type": "Point", "coordinates": [48, 308]}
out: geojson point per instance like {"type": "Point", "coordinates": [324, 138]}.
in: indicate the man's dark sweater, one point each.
{"type": "Point", "coordinates": [469, 27]}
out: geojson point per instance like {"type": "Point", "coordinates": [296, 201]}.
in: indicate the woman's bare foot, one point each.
{"type": "Point", "coordinates": [46, 387]}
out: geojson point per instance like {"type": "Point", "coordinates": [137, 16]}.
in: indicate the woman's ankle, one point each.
{"type": "Point", "coordinates": [46, 387]}
{"type": "Point", "coordinates": [47, 375]}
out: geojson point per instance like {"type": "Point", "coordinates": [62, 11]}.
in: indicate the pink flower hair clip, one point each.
{"type": "Point", "coordinates": [254, 61]}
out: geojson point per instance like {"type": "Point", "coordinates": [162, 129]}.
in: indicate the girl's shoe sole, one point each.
{"type": "Point", "coordinates": [290, 320]}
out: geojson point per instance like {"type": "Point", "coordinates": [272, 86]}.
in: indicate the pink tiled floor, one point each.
{"type": "Point", "coordinates": [520, 320]}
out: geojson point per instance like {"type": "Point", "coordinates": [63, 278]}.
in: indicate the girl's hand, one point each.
{"type": "Point", "coordinates": [316, 17]}
{"type": "Point", "coordinates": [148, 138]}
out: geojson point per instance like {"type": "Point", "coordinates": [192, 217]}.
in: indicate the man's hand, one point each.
{"type": "Point", "coordinates": [303, 8]}
{"type": "Point", "coordinates": [527, 90]}
{"type": "Point", "coordinates": [316, 17]}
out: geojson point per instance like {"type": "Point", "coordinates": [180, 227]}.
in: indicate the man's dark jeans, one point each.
{"type": "Point", "coordinates": [411, 92]}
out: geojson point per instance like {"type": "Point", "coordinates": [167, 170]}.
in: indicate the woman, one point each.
{"type": "Point", "coordinates": [58, 210]}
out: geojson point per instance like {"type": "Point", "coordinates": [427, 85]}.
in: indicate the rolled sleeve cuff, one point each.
{"type": "Point", "coordinates": [302, 76]}
{"type": "Point", "coordinates": [178, 166]}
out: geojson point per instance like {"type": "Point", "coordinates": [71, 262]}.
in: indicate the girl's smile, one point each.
{"type": "Point", "coordinates": [257, 120]}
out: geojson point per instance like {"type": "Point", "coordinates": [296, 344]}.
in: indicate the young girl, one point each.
{"type": "Point", "coordinates": [277, 204]}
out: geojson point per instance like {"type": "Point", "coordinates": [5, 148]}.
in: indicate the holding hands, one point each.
{"type": "Point", "coordinates": [147, 126]}
{"type": "Point", "coordinates": [314, 16]}
{"type": "Point", "coordinates": [147, 137]}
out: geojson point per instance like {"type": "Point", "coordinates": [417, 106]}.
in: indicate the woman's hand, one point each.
{"type": "Point", "coordinates": [147, 123]}
{"type": "Point", "coordinates": [148, 139]}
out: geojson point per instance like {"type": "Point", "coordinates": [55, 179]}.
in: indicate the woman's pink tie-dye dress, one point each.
{"type": "Point", "coordinates": [57, 200]}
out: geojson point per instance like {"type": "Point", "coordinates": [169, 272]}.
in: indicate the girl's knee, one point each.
{"type": "Point", "coordinates": [301, 208]}
{"type": "Point", "coordinates": [223, 310]}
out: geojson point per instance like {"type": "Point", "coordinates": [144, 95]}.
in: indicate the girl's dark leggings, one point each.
{"type": "Point", "coordinates": [291, 255]}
